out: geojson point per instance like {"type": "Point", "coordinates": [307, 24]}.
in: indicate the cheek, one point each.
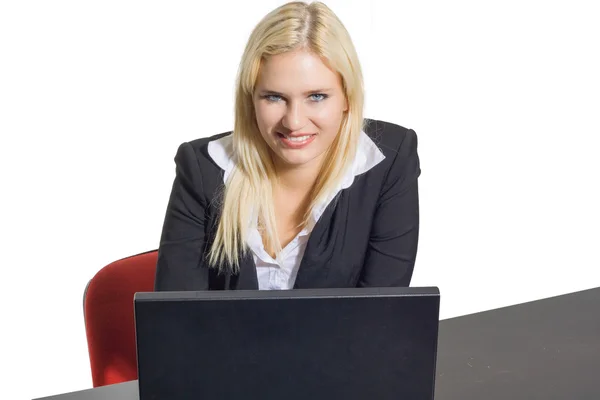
{"type": "Point", "coordinates": [329, 118]}
{"type": "Point", "coordinates": [266, 115]}
{"type": "Point", "coordinates": [331, 108]}
{"type": "Point", "coordinates": [266, 119]}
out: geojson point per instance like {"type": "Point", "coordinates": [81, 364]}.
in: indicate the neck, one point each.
{"type": "Point", "coordinates": [298, 179]}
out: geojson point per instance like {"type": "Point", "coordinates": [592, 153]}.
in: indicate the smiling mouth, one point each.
{"type": "Point", "coordinates": [297, 138]}
{"type": "Point", "coordinates": [296, 142]}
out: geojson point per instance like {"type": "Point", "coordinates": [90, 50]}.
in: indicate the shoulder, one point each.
{"type": "Point", "coordinates": [199, 148]}
{"type": "Point", "coordinates": [203, 142]}
{"type": "Point", "coordinates": [194, 164]}
{"type": "Point", "coordinates": [389, 137]}
{"type": "Point", "coordinates": [399, 146]}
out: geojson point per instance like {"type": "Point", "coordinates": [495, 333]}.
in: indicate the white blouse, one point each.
{"type": "Point", "coordinates": [281, 274]}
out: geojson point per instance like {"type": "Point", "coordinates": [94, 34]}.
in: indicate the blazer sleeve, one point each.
{"type": "Point", "coordinates": [182, 241]}
{"type": "Point", "coordinates": [392, 248]}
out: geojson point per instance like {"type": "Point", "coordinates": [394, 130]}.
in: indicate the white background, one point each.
{"type": "Point", "coordinates": [95, 97]}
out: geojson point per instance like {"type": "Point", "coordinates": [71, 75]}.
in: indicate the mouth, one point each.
{"type": "Point", "coordinates": [296, 138]}
{"type": "Point", "coordinates": [296, 141]}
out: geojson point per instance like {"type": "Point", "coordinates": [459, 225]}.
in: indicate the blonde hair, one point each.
{"type": "Point", "coordinates": [248, 190]}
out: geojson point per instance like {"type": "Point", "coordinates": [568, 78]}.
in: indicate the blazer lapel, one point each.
{"type": "Point", "coordinates": [315, 266]}
{"type": "Point", "coordinates": [246, 278]}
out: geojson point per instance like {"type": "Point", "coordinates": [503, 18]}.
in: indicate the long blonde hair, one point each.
{"type": "Point", "coordinates": [248, 190]}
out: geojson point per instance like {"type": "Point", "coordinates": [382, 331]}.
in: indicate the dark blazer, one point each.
{"type": "Point", "coordinates": [367, 236]}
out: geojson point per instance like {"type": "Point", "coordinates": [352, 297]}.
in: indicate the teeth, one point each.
{"type": "Point", "coordinates": [298, 139]}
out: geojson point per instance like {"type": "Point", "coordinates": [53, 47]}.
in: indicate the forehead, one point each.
{"type": "Point", "coordinates": [298, 70]}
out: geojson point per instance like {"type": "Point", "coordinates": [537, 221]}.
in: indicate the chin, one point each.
{"type": "Point", "coordinates": [296, 159]}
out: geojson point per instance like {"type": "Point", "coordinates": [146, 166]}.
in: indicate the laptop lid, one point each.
{"type": "Point", "coordinates": [363, 343]}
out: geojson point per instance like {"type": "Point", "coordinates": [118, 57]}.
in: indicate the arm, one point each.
{"type": "Point", "coordinates": [392, 248]}
{"type": "Point", "coordinates": [180, 253]}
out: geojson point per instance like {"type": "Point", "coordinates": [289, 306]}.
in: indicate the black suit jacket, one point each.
{"type": "Point", "coordinates": [366, 237]}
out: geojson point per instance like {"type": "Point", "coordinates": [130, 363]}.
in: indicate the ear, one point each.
{"type": "Point", "coordinates": [345, 104]}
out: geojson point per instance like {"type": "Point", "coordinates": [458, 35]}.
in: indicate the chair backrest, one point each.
{"type": "Point", "coordinates": [109, 318]}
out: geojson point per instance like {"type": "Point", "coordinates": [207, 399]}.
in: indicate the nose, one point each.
{"type": "Point", "coordinates": [295, 117]}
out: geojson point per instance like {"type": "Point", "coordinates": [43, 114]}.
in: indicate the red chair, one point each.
{"type": "Point", "coordinates": [109, 318]}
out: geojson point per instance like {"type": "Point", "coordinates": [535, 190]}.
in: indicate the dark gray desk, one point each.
{"type": "Point", "coordinates": [547, 349]}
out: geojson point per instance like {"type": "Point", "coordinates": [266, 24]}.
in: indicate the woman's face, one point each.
{"type": "Point", "coordinates": [299, 104]}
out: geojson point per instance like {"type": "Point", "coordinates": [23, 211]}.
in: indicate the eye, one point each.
{"type": "Point", "coordinates": [272, 98]}
{"type": "Point", "coordinates": [318, 97]}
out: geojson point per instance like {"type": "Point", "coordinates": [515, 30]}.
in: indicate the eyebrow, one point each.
{"type": "Point", "coordinates": [305, 93]}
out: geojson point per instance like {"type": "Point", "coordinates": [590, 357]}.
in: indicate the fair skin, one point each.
{"type": "Point", "coordinates": [299, 104]}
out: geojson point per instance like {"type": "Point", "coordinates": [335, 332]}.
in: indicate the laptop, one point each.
{"type": "Point", "coordinates": [358, 343]}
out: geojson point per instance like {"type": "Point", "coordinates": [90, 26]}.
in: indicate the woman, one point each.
{"type": "Point", "coordinates": [303, 193]}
